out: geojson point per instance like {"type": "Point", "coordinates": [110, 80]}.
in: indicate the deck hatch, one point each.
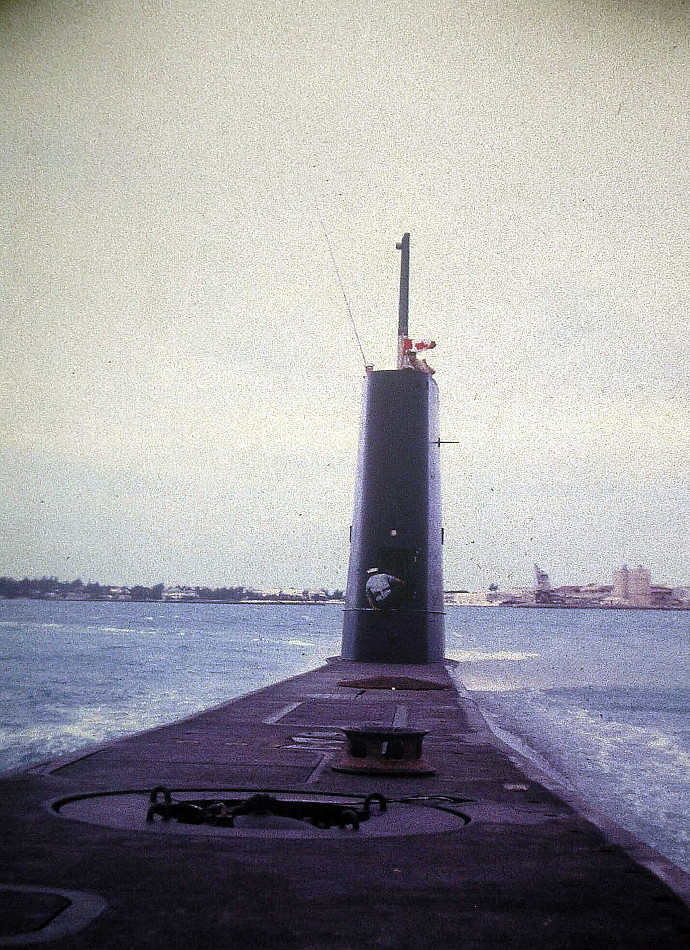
{"type": "Point", "coordinates": [127, 810]}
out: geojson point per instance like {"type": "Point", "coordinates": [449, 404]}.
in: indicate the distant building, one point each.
{"type": "Point", "coordinates": [542, 580]}
{"type": "Point", "coordinates": [640, 587]}
{"type": "Point", "coordinates": [581, 595]}
{"type": "Point", "coordinates": [115, 593]}
{"type": "Point", "coordinates": [632, 588]}
{"type": "Point", "coordinates": [542, 586]}
{"type": "Point", "coordinates": [662, 596]}
{"type": "Point", "coordinates": [621, 584]}
{"type": "Point", "coordinates": [179, 594]}
{"type": "Point", "coordinates": [465, 598]}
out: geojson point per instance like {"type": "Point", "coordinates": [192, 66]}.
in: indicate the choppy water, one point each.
{"type": "Point", "coordinates": [603, 696]}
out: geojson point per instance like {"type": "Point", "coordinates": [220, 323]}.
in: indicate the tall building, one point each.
{"type": "Point", "coordinates": [542, 580]}
{"type": "Point", "coordinates": [621, 584]}
{"type": "Point", "coordinates": [542, 586]}
{"type": "Point", "coordinates": [640, 587]}
{"type": "Point", "coordinates": [632, 587]}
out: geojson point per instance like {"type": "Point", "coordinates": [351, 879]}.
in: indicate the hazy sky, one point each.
{"type": "Point", "coordinates": [182, 388]}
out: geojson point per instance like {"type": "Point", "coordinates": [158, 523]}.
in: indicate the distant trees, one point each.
{"type": "Point", "coordinates": [228, 595]}
{"type": "Point", "coordinates": [30, 587]}
{"type": "Point", "coordinates": [50, 588]}
{"type": "Point", "coordinates": [142, 593]}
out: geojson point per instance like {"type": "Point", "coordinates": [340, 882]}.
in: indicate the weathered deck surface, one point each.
{"type": "Point", "coordinates": [527, 871]}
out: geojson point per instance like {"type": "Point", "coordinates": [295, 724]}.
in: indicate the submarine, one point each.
{"type": "Point", "coordinates": [364, 804]}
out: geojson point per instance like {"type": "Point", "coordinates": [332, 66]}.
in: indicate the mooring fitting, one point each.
{"type": "Point", "coordinates": [384, 750]}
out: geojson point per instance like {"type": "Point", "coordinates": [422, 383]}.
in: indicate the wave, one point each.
{"type": "Point", "coordinates": [637, 774]}
{"type": "Point", "coordinates": [473, 656]}
{"type": "Point", "coordinates": [104, 629]}
{"type": "Point", "coordinates": [281, 641]}
{"type": "Point", "coordinates": [81, 727]}
{"type": "Point", "coordinates": [32, 623]}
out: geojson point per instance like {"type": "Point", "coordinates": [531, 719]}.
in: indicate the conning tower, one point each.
{"type": "Point", "coordinates": [396, 526]}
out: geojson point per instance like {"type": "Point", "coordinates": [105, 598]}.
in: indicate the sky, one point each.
{"type": "Point", "coordinates": [182, 385]}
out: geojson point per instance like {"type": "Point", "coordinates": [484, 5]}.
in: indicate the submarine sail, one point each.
{"type": "Point", "coordinates": [394, 601]}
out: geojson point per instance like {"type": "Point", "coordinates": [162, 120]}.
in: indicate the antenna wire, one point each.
{"type": "Point", "coordinates": [340, 280]}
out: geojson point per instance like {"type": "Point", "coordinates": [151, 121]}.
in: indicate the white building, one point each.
{"type": "Point", "coordinates": [632, 588]}
{"type": "Point", "coordinates": [640, 587]}
{"type": "Point", "coordinates": [542, 581]}
{"type": "Point", "coordinates": [621, 584]}
{"type": "Point", "coordinates": [179, 594]}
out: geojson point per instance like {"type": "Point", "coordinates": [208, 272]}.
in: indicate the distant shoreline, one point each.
{"type": "Point", "coordinates": [176, 603]}
{"type": "Point", "coordinates": [572, 606]}
{"type": "Point", "coordinates": [338, 603]}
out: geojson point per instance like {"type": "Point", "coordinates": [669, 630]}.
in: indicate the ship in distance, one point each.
{"type": "Point", "coordinates": [365, 805]}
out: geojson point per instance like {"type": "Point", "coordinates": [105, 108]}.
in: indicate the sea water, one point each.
{"type": "Point", "coordinates": [602, 696]}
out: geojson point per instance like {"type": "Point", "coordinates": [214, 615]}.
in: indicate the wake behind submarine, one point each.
{"type": "Point", "coordinates": [364, 805]}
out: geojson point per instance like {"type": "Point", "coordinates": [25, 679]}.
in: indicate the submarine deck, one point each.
{"type": "Point", "coordinates": [527, 869]}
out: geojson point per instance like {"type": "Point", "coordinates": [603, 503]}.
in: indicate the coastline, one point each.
{"type": "Point", "coordinates": [340, 603]}
{"type": "Point", "coordinates": [176, 603]}
{"type": "Point", "coordinates": [652, 607]}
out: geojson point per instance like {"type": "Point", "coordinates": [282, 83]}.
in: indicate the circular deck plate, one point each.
{"type": "Point", "coordinates": [126, 810]}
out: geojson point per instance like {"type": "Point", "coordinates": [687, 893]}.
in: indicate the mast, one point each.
{"type": "Point", "coordinates": [404, 298]}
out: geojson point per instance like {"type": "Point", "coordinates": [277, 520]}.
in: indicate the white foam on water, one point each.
{"type": "Point", "coordinates": [476, 656]}
{"type": "Point", "coordinates": [80, 727]}
{"type": "Point", "coordinates": [32, 624]}
{"type": "Point", "coordinates": [637, 775]}
{"type": "Point", "coordinates": [282, 641]}
{"type": "Point", "coordinates": [123, 629]}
